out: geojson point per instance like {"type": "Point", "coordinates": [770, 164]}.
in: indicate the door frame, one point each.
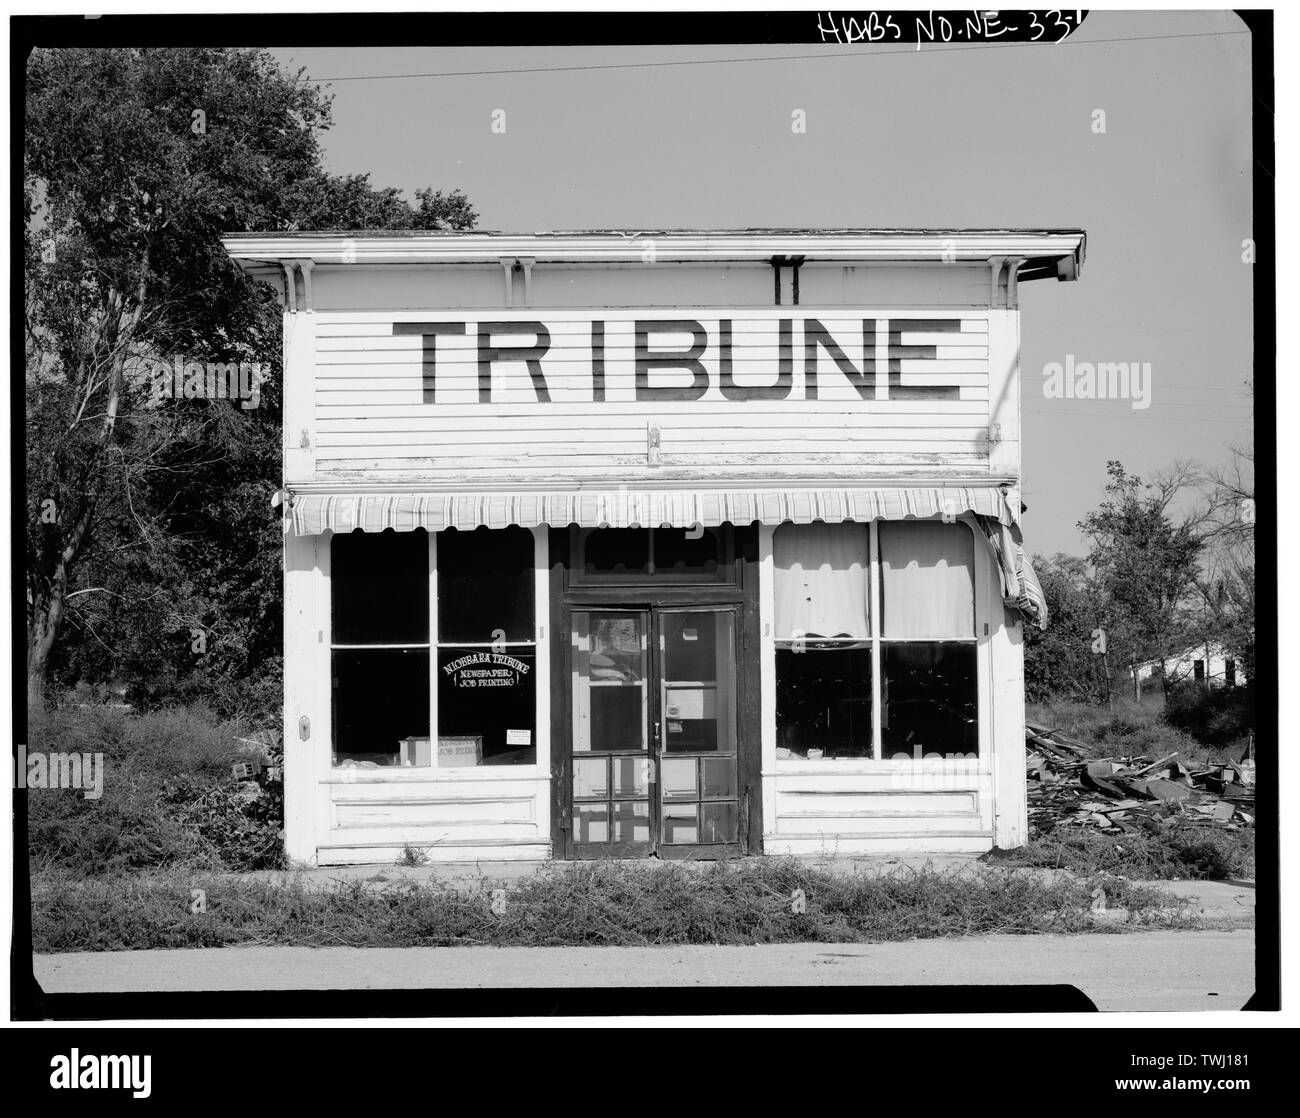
{"type": "Point", "coordinates": [741, 590]}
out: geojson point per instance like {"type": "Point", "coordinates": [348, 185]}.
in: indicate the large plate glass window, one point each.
{"type": "Point", "coordinates": [821, 581]}
{"type": "Point", "coordinates": [929, 702]}
{"type": "Point", "coordinates": [487, 653]}
{"type": "Point", "coordinates": [900, 684]}
{"type": "Point", "coordinates": [379, 649]}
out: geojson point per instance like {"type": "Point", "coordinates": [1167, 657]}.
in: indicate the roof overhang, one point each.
{"type": "Point", "coordinates": [1042, 253]}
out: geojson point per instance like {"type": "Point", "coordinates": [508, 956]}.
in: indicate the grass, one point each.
{"type": "Point", "coordinates": [169, 797]}
{"type": "Point", "coordinates": [583, 904]}
{"type": "Point", "coordinates": [1177, 852]}
{"type": "Point", "coordinates": [1127, 728]}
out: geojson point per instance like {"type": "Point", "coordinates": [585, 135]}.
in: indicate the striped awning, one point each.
{"type": "Point", "coordinates": [623, 507]}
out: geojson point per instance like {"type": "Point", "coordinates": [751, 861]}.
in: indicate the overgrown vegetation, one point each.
{"type": "Point", "coordinates": [1128, 728]}
{"type": "Point", "coordinates": [585, 904]}
{"type": "Point", "coordinates": [1178, 851]}
{"type": "Point", "coordinates": [169, 797]}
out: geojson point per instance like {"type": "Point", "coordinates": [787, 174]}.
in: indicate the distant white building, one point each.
{"type": "Point", "coordinates": [1200, 662]}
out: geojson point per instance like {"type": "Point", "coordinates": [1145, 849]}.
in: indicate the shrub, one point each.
{"type": "Point", "coordinates": [1174, 851]}
{"type": "Point", "coordinates": [169, 797]}
{"type": "Point", "coordinates": [577, 904]}
{"type": "Point", "coordinates": [1219, 716]}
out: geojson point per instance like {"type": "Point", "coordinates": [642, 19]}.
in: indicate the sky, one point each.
{"type": "Point", "coordinates": [993, 136]}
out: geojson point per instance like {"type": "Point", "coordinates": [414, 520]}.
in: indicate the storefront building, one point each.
{"type": "Point", "coordinates": [619, 544]}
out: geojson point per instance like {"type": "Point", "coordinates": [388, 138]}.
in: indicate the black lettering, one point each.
{"type": "Point", "coordinates": [430, 332]}
{"type": "Point", "coordinates": [814, 335]}
{"type": "Point", "coordinates": [899, 352]}
{"type": "Point", "coordinates": [530, 355]}
{"type": "Point", "coordinates": [647, 359]}
{"type": "Point", "coordinates": [784, 369]}
{"type": "Point", "coordinates": [598, 362]}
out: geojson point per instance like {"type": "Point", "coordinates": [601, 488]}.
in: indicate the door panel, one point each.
{"type": "Point", "coordinates": [654, 734]}
{"type": "Point", "coordinates": [611, 785]}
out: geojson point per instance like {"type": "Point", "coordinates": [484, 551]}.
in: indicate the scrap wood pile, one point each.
{"type": "Point", "coordinates": [1068, 785]}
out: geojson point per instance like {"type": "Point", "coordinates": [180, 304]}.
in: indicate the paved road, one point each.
{"type": "Point", "coordinates": [1130, 971]}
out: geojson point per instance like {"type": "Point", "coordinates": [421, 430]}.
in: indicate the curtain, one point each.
{"type": "Point", "coordinates": [821, 574]}
{"type": "Point", "coordinates": [928, 575]}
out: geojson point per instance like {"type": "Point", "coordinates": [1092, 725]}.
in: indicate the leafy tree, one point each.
{"type": "Point", "coordinates": [1144, 564]}
{"type": "Point", "coordinates": [1059, 661]}
{"type": "Point", "coordinates": [148, 521]}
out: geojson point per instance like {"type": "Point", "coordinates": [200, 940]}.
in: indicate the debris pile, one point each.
{"type": "Point", "coordinates": [1070, 786]}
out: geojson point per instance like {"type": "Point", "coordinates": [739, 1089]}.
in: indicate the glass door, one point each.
{"type": "Point", "coordinates": [654, 732]}
{"type": "Point", "coordinates": [611, 739]}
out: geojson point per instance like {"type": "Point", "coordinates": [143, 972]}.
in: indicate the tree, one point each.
{"type": "Point", "coordinates": [1059, 660]}
{"type": "Point", "coordinates": [135, 163]}
{"type": "Point", "coordinates": [1227, 586]}
{"type": "Point", "coordinates": [1145, 565]}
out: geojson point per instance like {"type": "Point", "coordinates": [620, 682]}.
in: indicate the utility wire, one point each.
{"type": "Point", "coordinates": [822, 56]}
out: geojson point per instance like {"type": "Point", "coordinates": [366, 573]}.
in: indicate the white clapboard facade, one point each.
{"type": "Point", "coordinates": [609, 544]}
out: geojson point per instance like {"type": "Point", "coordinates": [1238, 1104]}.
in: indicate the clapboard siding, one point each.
{"type": "Point", "coordinates": [482, 816]}
{"type": "Point", "coordinates": [375, 414]}
{"type": "Point", "coordinates": [634, 284]}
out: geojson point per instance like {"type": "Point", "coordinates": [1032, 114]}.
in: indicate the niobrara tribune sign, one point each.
{"type": "Point", "coordinates": [740, 356]}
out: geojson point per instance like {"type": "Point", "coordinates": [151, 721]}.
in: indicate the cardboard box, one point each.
{"type": "Point", "coordinates": [462, 751]}
{"type": "Point", "coordinates": [415, 753]}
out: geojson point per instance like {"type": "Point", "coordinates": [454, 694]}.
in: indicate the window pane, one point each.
{"type": "Point", "coordinates": [928, 575]}
{"type": "Point", "coordinates": [677, 777]}
{"type": "Point", "coordinates": [718, 822]}
{"type": "Point", "coordinates": [675, 554]}
{"type": "Point", "coordinates": [681, 823]}
{"type": "Point", "coordinates": [486, 706]}
{"type": "Point", "coordinates": [823, 701]}
{"type": "Point", "coordinates": [930, 704]}
{"type": "Point", "coordinates": [381, 698]}
{"type": "Point", "coordinates": [719, 777]}
{"type": "Point", "coordinates": [591, 823]}
{"type": "Point", "coordinates": [617, 551]}
{"type": "Point", "coordinates": [379, 588]}
{"type": "Point", "coordinates": [485, 584]}
{"type": "Point", "coordinates": [698, 693]}
{"type": "Point", "coordinates": [632, 821]}
{"type": "Point", "coordinates": [631, 777]}
{"type": "Point", "coordinates": [609, 699]}
{"type": "Point", "coordinates": [820, 577]}
{"type": "Point", "coordinates": [590, 778]}
{"type": "Point", "coordinates": [616, 720]}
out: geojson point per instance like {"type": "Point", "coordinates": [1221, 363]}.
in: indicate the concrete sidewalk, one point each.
{"type": "Point", "coordinates": [1167, 971]}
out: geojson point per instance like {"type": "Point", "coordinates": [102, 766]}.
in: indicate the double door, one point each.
{"type": "Point", "coordinates": [654, 732]}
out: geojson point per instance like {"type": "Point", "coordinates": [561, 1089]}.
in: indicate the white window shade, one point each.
{"type": "Point", "coordinates": [821, 577]}
{"type": "Point", "coordinates": [928, 578]}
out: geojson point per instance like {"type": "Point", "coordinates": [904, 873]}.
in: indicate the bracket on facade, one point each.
{"type": "Point", "coordinates": [998, 296]}
{"type": "Point", "coordinates": [510, 265]}
{"type": "Point", "coordinates": [290, 288]}
{"type": "Point", "coordinates": [996, 264]}
{"type": "Point", "coordinates": [291, 270]}
{"type": "Point", "coordinates": [654, 455]}
{"type": "Point", "coordinates": [1013, 282]}
{"type": "Point", "coordinates": [793, 263]}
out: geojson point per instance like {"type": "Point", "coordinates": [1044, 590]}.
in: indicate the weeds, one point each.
{"type": "Point", "coordinates": [169, 797]}
{"type": "Point", "coordinates": [1177, 852]}
{"type": "Point", "coordinates": [583, 904]}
